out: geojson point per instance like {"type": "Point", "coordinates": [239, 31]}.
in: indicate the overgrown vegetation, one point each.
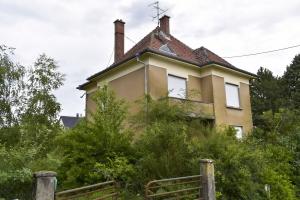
{"type": "Point", "coordinates": [28, 123]}
{"type": "Point", "coordinates": [168, 142]}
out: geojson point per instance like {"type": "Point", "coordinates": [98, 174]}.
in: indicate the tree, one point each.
{"type": "Point", "coordinates": [11, 95]}
{"type": "Point", "coordinates": [266, 93]}
{"type": "Point", "coordinates": [28, 122]}
{"type": "Point", "coordinates": [282, 130]}
{"type": "Point", "coordinates": [163, 129]}
{"type": "Point", "coordinates": [291, 82]}
{"type": "Point", "coordinates": [172, 144]}
{"type": "Point", "coordinates": [40, 118]}
{"type": "Point", "coordinates": [15, 174]}
{"type": "Point", "coordinates": [92, 150]}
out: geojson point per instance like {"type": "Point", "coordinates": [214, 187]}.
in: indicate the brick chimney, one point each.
{"type": "Point", "coordinates": [164, 24]}
{"type": "Point", "coordinates": [119, 39]}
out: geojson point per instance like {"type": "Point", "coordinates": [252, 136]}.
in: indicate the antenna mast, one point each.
{"type": "Point", "coordinates": [159, 11]}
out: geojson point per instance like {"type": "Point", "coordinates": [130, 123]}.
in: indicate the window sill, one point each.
{"type": "Point", "coordinates": [178, 98]}
{"type": "Point", "coordinates": [234, 108]}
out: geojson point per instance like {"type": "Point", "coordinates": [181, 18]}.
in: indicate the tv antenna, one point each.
{"type": "Point", "coordinates": [159, 11]}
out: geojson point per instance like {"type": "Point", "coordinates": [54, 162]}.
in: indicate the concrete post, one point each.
{"type": "Point", "coordinates": [45, 183]}
{"type": "Point", "coordinates": [208, 179]}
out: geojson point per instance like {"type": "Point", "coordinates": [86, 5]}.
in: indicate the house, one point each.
{"type": "Point", "coordinates": [160, 63]}
{"type": "Point", "coordinates": [69, 121]}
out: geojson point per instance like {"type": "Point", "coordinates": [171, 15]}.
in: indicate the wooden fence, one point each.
{"type": "Point", "coordinates": [188, 187]}
{"type": "Point", "coordinates": [104, 191]}
{"type": "Point", "coordinates": [201, 187]}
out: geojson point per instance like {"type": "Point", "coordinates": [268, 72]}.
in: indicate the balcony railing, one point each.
{"type": "Point", "coordinates": [198, 108]}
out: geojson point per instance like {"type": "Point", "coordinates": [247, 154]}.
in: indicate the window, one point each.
{"type": "Point", "coordinates": [176, 87]}
{"type": "Point", "coordinates": [239, 132]}
{"type": "Point", "coordinates": [232, 95]}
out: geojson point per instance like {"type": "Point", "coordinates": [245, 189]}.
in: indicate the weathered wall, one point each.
{"type": "Point", "coordinates": [157, 82]}
{"type": "Point", "coordinates": [130, 87]}
{"type": "Point", "coordinates": [90, 105]}
{"type": "Point", "coordinates": [230, 116]}
{"type": "Point", "coordinates": [194, 88]}
{"type": "Point", "coordinates": [207, 89]}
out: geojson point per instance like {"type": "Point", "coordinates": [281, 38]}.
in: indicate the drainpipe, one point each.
{"type": "Point", "coordinates": [145, 72]}
{"type": "Point", "coordinates": [146, 84]}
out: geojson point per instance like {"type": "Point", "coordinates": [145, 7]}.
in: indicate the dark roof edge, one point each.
{"type": "Point", "coordinates": [80, 87]}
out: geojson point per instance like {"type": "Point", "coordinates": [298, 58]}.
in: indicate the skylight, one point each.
{"type": "Point", "coordinates": [164, 48]}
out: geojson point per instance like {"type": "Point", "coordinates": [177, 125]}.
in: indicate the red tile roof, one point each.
{"type": "Point", "coordinates": [156, 39]}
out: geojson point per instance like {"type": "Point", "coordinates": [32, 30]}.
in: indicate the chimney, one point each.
{"type": "Point", "coordinates": [164, 24]}
{"type": "Point", "coordinates": [119, 39]}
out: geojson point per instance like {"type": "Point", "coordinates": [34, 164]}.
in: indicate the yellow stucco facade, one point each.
{"type": "Point", "coordinates": [205, 86]}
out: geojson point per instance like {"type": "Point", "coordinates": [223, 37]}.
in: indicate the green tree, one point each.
{"type": "Point", "coordinates": [15, 175]}
{"type": "Point", "coordinates": [291, 83]}
{"type": "Point", "coordinates": [40, 118]}
{"type": "Point", "coordinates": [173, 142]}
{"type": "Point", "coordinates": [266, 93]}
{"type": "Point", "coordinates": [282, 130]}
{"type": "Point", "coordinates": [28, 122]}
{"type": "Point", "coordinates": [93, 150]}
{"type": "Point", "coordinates": [11, 95]}
{"type": "Point", "coordinates": [162, 144]}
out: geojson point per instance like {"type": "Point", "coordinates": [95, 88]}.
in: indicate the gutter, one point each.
{"type": "Point", "coordinates": [90, 79]}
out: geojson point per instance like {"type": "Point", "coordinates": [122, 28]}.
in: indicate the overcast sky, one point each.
{"type": "Point", "coordinates": [79, 33]}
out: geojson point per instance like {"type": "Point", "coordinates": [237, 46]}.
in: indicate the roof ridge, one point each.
{"type": "Point", "coordinates": [181, 42]}
{"type": "Point", "coordinates": [140, 43]}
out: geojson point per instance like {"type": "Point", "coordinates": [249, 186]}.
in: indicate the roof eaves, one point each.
{"type": "Point", "coordinates": [81, 87]}
{"type": "Point", "coordinates": [114, 65]}
{"type": "Point", "coordinates": [230, 67]}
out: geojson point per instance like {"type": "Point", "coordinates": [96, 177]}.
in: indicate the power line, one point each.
{"type": "Point", "coordinates": [110, 57]}
{"type": "Point", "coordinates": [263, 52]}
{"type": "Point", "coordinates": [131, 40]}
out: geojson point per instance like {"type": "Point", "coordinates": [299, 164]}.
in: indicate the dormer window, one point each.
{"type": "Point", "coordinates": [164, 48]}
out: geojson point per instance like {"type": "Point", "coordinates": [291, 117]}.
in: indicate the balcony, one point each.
{"type": "Point", "coordinates": [198, 108]}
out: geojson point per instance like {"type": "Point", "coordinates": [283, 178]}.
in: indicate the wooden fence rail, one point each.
{"type": "Point", "coordinates": [174, 188]}
{"type": "Point", "coordinates": [106, 191]}
{"type": "Point", "coordinates": [201, 187]}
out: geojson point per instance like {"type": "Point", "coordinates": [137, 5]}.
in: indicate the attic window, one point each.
{"type": "Point", "coordinates": [164, 48]}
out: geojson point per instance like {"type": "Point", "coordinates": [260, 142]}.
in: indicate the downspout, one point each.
{"type": "Point", "coordinates": [146, 84]}
{"type": "Point", "coordinates": [145, 73]}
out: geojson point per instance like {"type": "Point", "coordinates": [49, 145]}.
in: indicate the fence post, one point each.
{"type": "Point", "coordinates": [208, 179]}
{"type": "Point", "coordinates": [45, 183]}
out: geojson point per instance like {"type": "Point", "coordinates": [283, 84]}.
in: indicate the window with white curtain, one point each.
{"type": "Point", "coordinates": [176, 87]}
{"type": "Point", "coordinates": [239, 132]}
{"type": "Point", "coordinates": [232, 95]}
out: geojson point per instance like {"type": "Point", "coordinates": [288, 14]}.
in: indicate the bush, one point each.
{"type": "Point", "coordinates": [97, 149]}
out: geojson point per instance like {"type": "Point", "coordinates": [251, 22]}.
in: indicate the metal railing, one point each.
{"type": "Point", "coordinates": [183, 188]}
{"type": "Point", "coordinates": [100, 191]}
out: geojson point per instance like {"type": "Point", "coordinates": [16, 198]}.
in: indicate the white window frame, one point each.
{"type": "Point", "coordinates": [239, 132]}
{"type": "Point", "coordinates": [237, 103]}
{"type": "Point", "coordinates": [176, 93]}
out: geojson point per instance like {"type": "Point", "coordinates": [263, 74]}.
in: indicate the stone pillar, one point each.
{"type": "Point", "coordinates": [208, 179]}
{"type": "Point", "coordinates": [45, 183]}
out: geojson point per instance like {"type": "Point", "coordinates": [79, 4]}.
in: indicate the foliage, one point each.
{"type": "Point", "coordinates": [266, 93]}
{"type": "Point", "coordinates": [291, 83]}
{"type": "Point", "coordinates": [244, 167]}
{"type": "Point", "coordinates": [12, 92]}
{"type": "Point", "coordinates": [282, 130]}
{"type": "Point", "coordinates": [28, 122]}
{"type": "Point", "coordinates": [173, 143]}
{"type": "Point", "coordinates": [90, 149]}
{"type": "Point", "coordinates": [40, 117]}
{"type": "Point", "coordinates": [162, 146]}
{"type": "Point", "coordinates": [15, 175]}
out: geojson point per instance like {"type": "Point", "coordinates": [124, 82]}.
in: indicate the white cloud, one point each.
{"type": "Point", "coordinates": [79, 34]}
